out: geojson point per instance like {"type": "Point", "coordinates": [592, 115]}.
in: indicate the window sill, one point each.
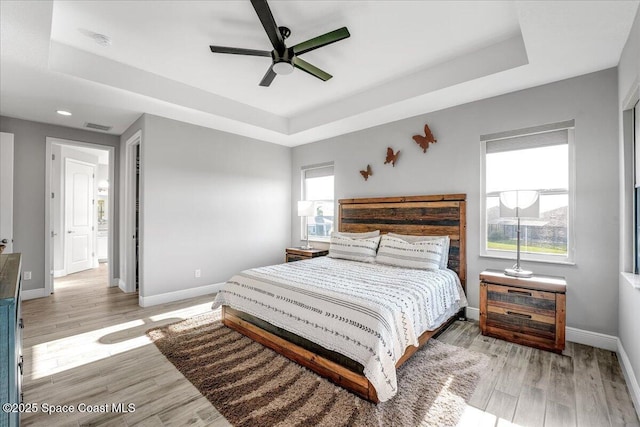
{"type": "Point", "coordinates": [318, 240]}
{"type": "Point", "coordinates": [537, 261]}
{"type": "Point", "coordinates": [632, 279]}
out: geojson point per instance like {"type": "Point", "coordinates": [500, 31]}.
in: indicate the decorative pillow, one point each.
{"type": "Point", "coordinates": [413, 239]}
{"type": "Point", "coordinates": [425, 254]}
{"type": "Point", "coordinates": [358, 235]}
{"type": "Point", "coordinates": [345, 247]}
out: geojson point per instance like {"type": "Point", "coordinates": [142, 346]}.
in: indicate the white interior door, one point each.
{"type": "Point", "coordinates": [79, 215]}
{"type": "Point", "coordinates": [6, 191]}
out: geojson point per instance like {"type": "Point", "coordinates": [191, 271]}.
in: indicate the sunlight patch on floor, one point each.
{"type": "Point", "coordinates": [60, 355]}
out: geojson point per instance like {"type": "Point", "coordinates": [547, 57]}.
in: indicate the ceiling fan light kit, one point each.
{"type": "Point", "coordinates": [283, 68]}
{"type": "Point", "coordinates": [285, 59]}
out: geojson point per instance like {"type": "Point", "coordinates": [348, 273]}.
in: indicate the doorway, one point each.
{"type": "Point", "coordinates": [78, 208]}
{"type": "Point", "coordinates": [131, 261]}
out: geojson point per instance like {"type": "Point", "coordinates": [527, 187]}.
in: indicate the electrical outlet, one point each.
{"type": "Point", "coordinates": [198, 273]}
{"type": "Point", "coordinates": [26, 275]}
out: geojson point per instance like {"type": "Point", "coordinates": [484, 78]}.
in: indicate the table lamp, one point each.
{"type": "Point", "coordinates": [305, 209]}
{"type": "Point", "coordinates": [519, 204]}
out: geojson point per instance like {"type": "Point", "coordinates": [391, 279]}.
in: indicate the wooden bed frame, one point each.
{"type": "Point", "coordinates": [433, 215]}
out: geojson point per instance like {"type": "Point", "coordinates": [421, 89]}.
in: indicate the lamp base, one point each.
{"type": "Point", "coordinates": [518, 272]}
{"type": "Point", "coordinates": [306, 247]}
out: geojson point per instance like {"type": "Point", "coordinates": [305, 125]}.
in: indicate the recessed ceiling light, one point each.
{"type": "Point", "coordinates": [101, 39]}
{"type": "Point", "coordinates": [63, 113]}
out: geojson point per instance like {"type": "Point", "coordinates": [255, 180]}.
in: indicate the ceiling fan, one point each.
{"type": "Point", "coordinates": [284, 58]}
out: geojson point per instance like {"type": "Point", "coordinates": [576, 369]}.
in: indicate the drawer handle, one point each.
{"type": "Point", "coordinates": [513, 313]}
{"type": "Point", "coordinates": [513, 291]}
{"type": "Point", "coordinates": [21, 323]}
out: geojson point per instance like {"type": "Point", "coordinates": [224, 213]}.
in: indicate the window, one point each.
{"type": "Point", "coordinates": [636, 200]}
{"type": "Point", "coordinates": [529, 159]}
{"type": "Point", "coordinates": [317, 186]}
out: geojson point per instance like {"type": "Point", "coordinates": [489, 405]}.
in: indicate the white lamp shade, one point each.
{"type": "Point", "coordinates": [519, 203]}
{"type": "Point", "coordinates": [305, 208]}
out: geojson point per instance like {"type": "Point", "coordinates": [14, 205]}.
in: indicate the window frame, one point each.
{"type": "Point", "coordinates": [304, 229]}
{"type": "Point", "coordinates": [635, 129]}
{"type": "Point", "coordinates": [569, 258]}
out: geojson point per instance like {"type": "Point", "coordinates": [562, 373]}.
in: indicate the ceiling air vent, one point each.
{"type": "Point", "coordinates": [97, 126]}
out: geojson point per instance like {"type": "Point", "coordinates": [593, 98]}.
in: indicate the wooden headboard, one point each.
{"type": "Point", "coordinates": [435, 215]}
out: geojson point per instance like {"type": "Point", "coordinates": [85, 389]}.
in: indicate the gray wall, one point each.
{"type": "Point", "coordinates": [628, 77]}
{"type": "Point", "coordinates": [29, 182]}
{"type": "Point", "coordinates": [453, 166]}
{"type": "Point", "coordinates": [212, 201]}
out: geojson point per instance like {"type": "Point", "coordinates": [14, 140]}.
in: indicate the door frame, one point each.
{"type": "Point", "coordinates": [93, 209]}
{"type": "Point", "coordinates": [128, 219]}
{"type": "Point", "coordinates": [6, 193]}
{"type": "Point", "coordinates": [48, 241]}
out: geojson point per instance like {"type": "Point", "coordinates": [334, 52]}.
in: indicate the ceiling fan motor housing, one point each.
{"type": "Point", "coordinates": [283, 62]}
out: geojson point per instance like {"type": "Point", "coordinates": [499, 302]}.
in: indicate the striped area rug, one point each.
{"type": "Point", "coordinates": [252, 385]}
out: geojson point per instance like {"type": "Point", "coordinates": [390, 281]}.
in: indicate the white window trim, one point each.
{"type": "Point", "coordinates": [304, 229]}
{"type": "Point", "coordinates": [628, 252]}
{"type": "Point", "coordinates": [542, 258]}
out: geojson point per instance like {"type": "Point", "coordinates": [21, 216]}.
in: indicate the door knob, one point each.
{"type": "Point", "coordinates": [70, 231]}
{"type": "Point", "coordinates": [4, 241]}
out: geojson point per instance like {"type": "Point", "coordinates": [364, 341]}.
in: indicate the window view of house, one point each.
{"type": "Point", "coordinates": [318, 187]}
{"type": "Point", "coordinates": [515, 163]}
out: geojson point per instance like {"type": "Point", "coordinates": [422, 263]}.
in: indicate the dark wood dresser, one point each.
{"type": "Point", "coordinates": [528, 311]}
{"type": "Point", "coordinates": [11, 366]}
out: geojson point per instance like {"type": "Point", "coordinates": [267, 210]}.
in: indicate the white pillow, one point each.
{"type": "Point", "coordinates": [412, 239]}
{"type": "Point", "coordinates": [358, 235]}
{"type": "Point", "coordinates": [345, 247]}
{"type": "Point", "coordinates": [425, 254]}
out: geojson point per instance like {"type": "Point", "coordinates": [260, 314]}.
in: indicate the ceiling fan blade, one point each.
{"type": "Point", "coordinates": [266, 18]}
{"type": "Point", "coordinates": [268, 77]}
{"type": "Point", "coordinates": [239, 51]}
{"type": "Point", "coordinates": [323, 40]}
{"type": "Point", "coordinates": [311, 69]}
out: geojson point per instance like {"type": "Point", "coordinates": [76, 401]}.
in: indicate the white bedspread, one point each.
{"type": "Point", "coordinates": [368, 312]}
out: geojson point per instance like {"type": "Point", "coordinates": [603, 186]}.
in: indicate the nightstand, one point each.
{"type": "Point", "coordinates": [529, 311]}
{"type": "Point", "coordinates": [297, 254]}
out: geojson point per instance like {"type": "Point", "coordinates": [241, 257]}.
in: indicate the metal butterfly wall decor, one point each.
{"type": "Point", "coordinates": [391, 156]}
{"type": "Point", "coordinates": [423, 141]}
{"type": "Point", "coordinates": [366, 173]}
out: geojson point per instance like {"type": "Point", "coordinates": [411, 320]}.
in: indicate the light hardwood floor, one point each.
{"type": "Point", "coordinates": [87, 344]}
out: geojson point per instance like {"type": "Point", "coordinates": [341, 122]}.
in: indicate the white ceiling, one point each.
{"type": "Point", "coordinates": [402, 59]}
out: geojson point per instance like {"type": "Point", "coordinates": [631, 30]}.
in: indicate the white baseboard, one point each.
{"type": "Point", "coordinates": [473, 313]}
{"type": "Point", "coordinates": [122, 285]}
{"type": "Point", "coordinates": [59, 273]}
{"type": "Point", "coordinates": [580, 336]}
{"type": "Point", "coordinates": [33, 294]}
{"type": "Point", "coordinates": [594, 339]}
{"type": "Point", "coordinates": [630, 377]}
{"type": "Point", "coordinates": [180, 295]}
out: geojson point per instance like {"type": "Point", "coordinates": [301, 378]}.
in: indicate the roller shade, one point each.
{"type": "Point", "coordinates": [318, 171]}
{"type": "Point", "coordinates": [539, 140]}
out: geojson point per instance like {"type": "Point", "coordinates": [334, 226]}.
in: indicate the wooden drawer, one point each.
{"type": "Point", "coordinates": [521, 318]}
{"type": "Point", "coordinates": [523, 315]}
{"type": "Point", "coordinates": [297, 254]}
{"type": "Point", "coordinates": [292, 258]}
